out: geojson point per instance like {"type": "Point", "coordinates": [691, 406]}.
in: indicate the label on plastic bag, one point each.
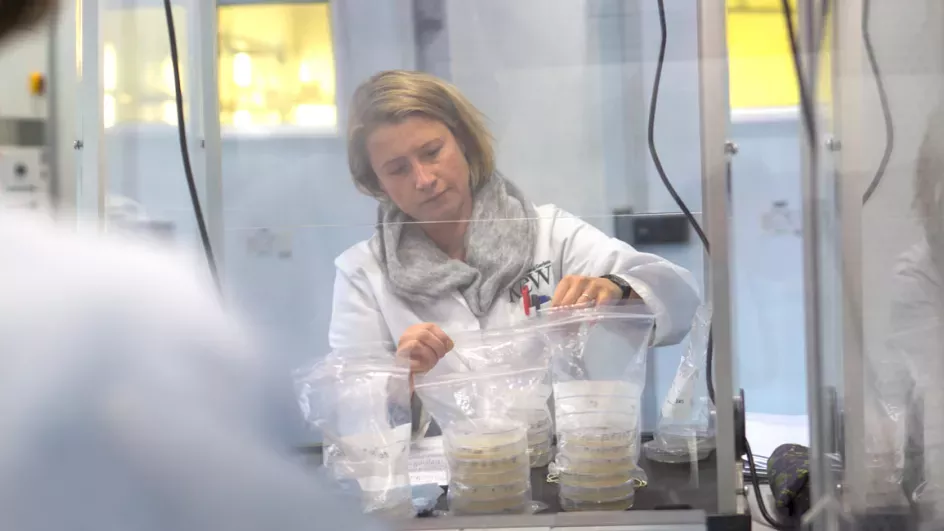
{"type": "Point", "coordinates": [586, 396]}
{"type": "Point", "coordinates": [678, 403]}
{"type": "Point", "coordinates": [365, 455]}
{"type": "Point", "coordinates": [428, 462]}
{"type": "Point", "coordinates": [385, 445]}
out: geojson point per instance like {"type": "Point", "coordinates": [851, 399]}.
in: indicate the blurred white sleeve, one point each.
{"type": "Point", "coordinates": [134, 403]}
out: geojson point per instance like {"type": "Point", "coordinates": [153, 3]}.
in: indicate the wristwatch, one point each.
{"type": "Point", "coordinates": [623, 285]}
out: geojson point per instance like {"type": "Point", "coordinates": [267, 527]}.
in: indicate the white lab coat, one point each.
{"type": "Point", "coordinates": [906, 373]}
{"type": "Point", "coordinates": [367, 311]}
{"type": "Point", "coordinates": [129, 400]}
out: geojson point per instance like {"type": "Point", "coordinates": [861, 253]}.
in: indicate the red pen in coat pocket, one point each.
{"type": "Point", "coordinates": [526, 299]}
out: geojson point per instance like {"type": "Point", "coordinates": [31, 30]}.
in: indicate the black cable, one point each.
{"type": "Point", "coordinates": [755, 481]}
{"type": "Point", "coordinates": [806, 104]}
{"type": "Point", "coordinates": [883, 100]}
{"type": "Point", "coordinates": [653, 107]}
{"type": "Point", "coordinates": [652, 125]}
{"type": "Point", "coordinates": [185, 152]}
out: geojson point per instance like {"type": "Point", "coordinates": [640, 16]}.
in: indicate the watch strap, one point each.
{"type": "Point", "coordinates": [623, 285]}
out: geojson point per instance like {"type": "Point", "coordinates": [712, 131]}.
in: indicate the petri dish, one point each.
{"type": "Point", "coordinates": [569, 505]}
{"type": "Point", "coordinates": [519, 489]}
{"type": "Point", "coordinates": [597, 494]}
{"type": "Point", "coordinates": [581, 452]}
{"type": "Point", "coordinates": [483, 440]}
{"type": "Point", "coordinates": [577, 479]}
{"type": "Point", "coordinates": [603, 436]}
{"type": "Point", "coordinates": [567, 463]}
{"type": "Point", "coordinates": [678, 451]}
{"type": "Point", "coordinates": [488, 465]}
{"type": "Point", "coordinates": [521, 472]}
{"type": "Point", "coordinates": [506, 505]}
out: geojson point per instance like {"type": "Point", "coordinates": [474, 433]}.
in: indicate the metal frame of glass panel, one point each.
{"type": "Point", "coordinates": [715, 115]}
{"type": "Point", "coordinates": [848, 137]}
{"type": "Point", "coordinates": [832, 238]}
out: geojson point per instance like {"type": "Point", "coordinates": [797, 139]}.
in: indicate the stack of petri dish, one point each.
{"type": "Point", "coordinates": [596, 461]}
{"type": "Point", "coordinates": [540, 432]}
{"type": "Point", "coordinates": [489, 469]}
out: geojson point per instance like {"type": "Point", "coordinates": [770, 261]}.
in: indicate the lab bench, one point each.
{"type": "Point", "coordinates": [677, 496]}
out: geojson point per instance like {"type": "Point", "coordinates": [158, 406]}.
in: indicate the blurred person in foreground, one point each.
{"type": "Point", "coordinates": [905, 425]}
{"type": "Point", "coordinates": [128, 399]}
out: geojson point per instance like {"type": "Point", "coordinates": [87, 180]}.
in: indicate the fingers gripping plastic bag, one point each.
{"type": "Point", "coordinates": [598, 369]}
{"type": "Point", "coordinates": [474, 394]}
{"type": "Point", "coordinates": [361, 403]}
{"type": "Point", "coordinates": [480, 349]}
{"type": "Point", "coordinates": [686, 429]}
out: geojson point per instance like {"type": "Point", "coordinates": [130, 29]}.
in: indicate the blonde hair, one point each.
{"type": "Point", "coordinates": [395, 95]}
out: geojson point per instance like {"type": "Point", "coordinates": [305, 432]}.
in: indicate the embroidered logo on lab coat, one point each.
{"type": "Point", "coordinates": [538, 276]}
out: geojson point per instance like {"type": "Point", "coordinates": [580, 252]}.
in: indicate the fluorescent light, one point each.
{"type": "Point", "coordinates": [316, 115]}
{"type": "Point", "coordinates": [110, 68]}
{"type": "Point", "coordinates": [242, 118]}
{"type": "Point", "coordinates": [109, 111]}
{"type": "Point", "coordinates": [169, 112]}
{"type": "Point", "coordinates": [242, 69]}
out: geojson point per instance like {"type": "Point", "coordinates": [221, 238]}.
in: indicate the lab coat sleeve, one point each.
{"type": "Point", "coordinates": [356, 320]}
{"type": "Point", "coordinates": [667, 289]}
{"type": "Point", "coordinates": [900, 376]}
{"type": "Point", "coordinates": [139, 406]}
{"type": "Point", "coordinates": [355, 316]}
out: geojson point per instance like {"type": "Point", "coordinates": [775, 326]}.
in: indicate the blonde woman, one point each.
{"type": "Point", "coordinates": [458, 246]}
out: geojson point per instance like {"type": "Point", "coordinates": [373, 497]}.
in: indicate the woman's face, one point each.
{"type": "Point", "coordinates": [422, 168]}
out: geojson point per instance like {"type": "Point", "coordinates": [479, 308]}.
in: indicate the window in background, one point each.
{"type": "Point", "coordinates": [137, 74]}
{"type": "Point", "coordinates": [760, 63]}
{"type": "Point", "coordinates": [277, 66]}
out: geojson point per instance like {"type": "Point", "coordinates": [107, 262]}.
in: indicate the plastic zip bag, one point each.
{"type": "Point", "coordinates": [360, 400]}
{"type": "Point", "coordinates": [472, 393]}
{"type": "Point", "coordinates": [479, 349]}
{"type": "Point", "coordinates": [685, 432]}
{"type": "Point", "coordinates": [598, 369]}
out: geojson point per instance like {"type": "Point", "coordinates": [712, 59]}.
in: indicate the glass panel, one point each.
{"type": "Point", "coordinates": [146, 191]}
{"type": "Point", "coordinates": [564, 88]}
{"type": "Point", "coordinates": [137, 74]}
{"type": "Point", "coordinates": [881, 253]}
{"type": "Point", "coordinates": [767, 223]}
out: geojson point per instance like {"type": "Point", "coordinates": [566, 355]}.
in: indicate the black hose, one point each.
{"type": "Point", "coordinates": [883, 100]}
{"type": "Point", "coordinates": [185, 152]}
{"type": "Point", "coordinates": [653, 105]}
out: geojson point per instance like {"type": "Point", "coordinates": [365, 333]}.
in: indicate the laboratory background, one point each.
{"type": "Point", "coordinates": [810, 189]}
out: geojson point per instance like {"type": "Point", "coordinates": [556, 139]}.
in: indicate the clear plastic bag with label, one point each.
{"type": "Point", "coordinates": [360, 401]}
{"type": "Point", "coordinates": [598, 369]}
{"type": "Point", "coordinates": [473, 393]}
{"type": "Point", "coordinates": [686, 430]}
{"type": "Point", "coordinates": [481, 349]}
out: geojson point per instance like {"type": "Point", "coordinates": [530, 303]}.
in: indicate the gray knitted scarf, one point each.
{"type": "Point", "coordinates": [500, 244]}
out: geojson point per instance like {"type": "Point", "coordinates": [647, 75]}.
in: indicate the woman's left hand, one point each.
{"type": "Point", "coordinates": [574, 289]}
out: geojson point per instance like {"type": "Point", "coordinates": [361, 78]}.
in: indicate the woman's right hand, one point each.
{"type": "Point", "coordinates": [424, 345]}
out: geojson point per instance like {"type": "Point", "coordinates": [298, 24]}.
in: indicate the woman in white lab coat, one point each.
{"type": "Point", "coordinates": [458, 247]}
{"type": "Point", "coordinates": [906, 428]}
